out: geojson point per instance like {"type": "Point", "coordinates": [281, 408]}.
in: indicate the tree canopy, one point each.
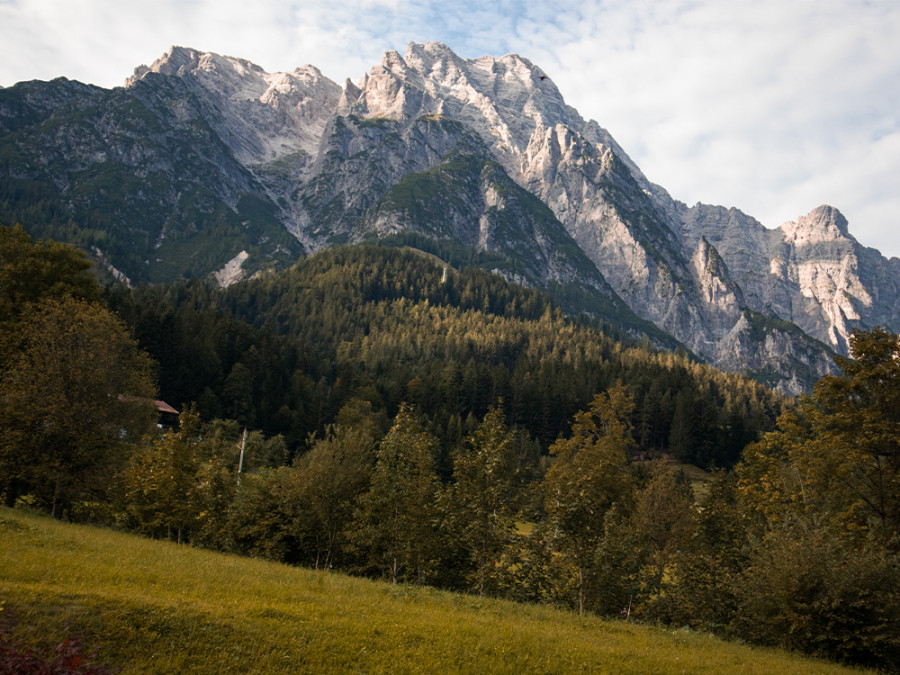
{"type": "Point", "coordinates": [76, 389]}
{"type": "Point", "coordinates": [835, 458]}
{"type": "Point", "coordinates": [74, 385]}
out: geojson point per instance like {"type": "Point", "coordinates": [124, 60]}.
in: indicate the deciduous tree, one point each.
{"type": "Point", "coordinates": [836, 458]}
{"type": "Point", "coordinates": [396, 522]}
{"type": "Point", "coordinates": [329, 478]}
{"type": "Point", "coordinates": [162, 493]}
{"type": "Point", "coordinates": [589, 476]}
{"type": "Point", "coordinates": [75, 391]}
{"type": "Point", "coordinates": [480, 503]}
{"type": "Point", "coordinates": [822, 497]}
{"type": "Point", "coordinates": [32, 271]}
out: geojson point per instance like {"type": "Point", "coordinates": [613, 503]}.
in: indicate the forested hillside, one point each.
{"type": "Point", "coordinates": [285, 352]}
{"type": "Point", "coordinates": [375, 411]}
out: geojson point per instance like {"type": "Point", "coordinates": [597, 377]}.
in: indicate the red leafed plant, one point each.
{"type": "Point", "coordinates": [68, 659]}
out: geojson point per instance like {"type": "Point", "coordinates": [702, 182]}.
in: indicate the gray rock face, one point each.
{"type": "Point", "coordinates": [138, 174]}
{"type": "Point", "coordinates": [262, 117]}
{"type": "Point", "coordinates": [484, 153]}
{"type": "Point", "coordinates": [649, 248]}
{"type": "Point", "coordinates": [811, 271]}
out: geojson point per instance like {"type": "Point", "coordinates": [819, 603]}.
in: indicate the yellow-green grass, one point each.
{"type": "Point", "coordinates": [160, 607]}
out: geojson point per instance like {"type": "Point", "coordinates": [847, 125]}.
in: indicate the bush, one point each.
{"type": "Point", "coordinates": [806, 589]}
{"type": "Point", "coordinates": [68, 659]}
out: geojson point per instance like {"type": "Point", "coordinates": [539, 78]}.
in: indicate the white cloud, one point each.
{"type": "Point", "coordinates": [770, 106]}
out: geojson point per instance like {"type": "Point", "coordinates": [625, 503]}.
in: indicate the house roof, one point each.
{"type": "Point", "coordinates": [164, 407]}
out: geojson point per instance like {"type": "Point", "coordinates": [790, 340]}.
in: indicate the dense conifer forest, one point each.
{"type": "Point", "coordinates": [376, 411]}
{"type": "Point", "coordinates": [284, 353]}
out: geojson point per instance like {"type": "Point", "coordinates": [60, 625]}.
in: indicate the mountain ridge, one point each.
{"type": "Point", "coordinates": [423, 142]}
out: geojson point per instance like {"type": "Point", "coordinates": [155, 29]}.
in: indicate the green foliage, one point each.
{"type": "Point", "coordinates": [73, 392]}
{"type": "Point", "coordinates": [663, 521]}
{"type": "Point", "coordinates": [704, 571]}
{"type": "Point", "coordinates": [195, 485]}
{"type": "Point", "coordinates": [396, 521]}
{"type": "Point", "coordinates": [836, 459]}
{"type": "Point", "coordinates": [588, 478]}
{"type": "Point", "coordinates": [480, 504]}
{"type": "Point", "coordinates": [807, 589]}
{"type": "Point", "coordinates": [426, 196]}
{"type": "Point", "coordinates": [385, 325]}
{"type": "Point", "coordinates": [262, 518]}
{"type": "Point", "coordinates": [162, 496]}
{"type": "Point", "coordinates": [30, 272]}
{"type": "Point", "coordinates": [73, 384]}
{"type": "Point", "coordinates": [329, 480]}
{"type": "Point", "coordinates": [229, 368]}
{"type": "Point", "coordinates": [821, 496]}
{"type": "Point", "coordinates": [616, 576]}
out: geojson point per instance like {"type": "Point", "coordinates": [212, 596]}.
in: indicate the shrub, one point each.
{"type": "Point", "coordinates": [806, 589]}
{"type": "Point", "coordinates": [68, 659]}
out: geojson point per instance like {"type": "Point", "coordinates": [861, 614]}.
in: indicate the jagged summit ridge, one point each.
{"type": "Point", "coordinates": [823, 224]}
{"type": "Point", "coordinates": [504, 98]}
{"type": "Point", "coordinates": [811, 271]}
{"type": "Point", "coordinates": [484, 152]}
{"type": "Point", "coordinates": [262, 116]}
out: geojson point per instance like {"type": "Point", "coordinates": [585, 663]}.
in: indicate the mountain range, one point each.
{"type": "Point", "coordinates": [206, 165]}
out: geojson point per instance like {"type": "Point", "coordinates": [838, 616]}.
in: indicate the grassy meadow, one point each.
{"type": "Point", "coordinates": [157, 607]}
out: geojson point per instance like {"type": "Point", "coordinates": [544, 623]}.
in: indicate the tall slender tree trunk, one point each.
{"type": "Point", "coordinates": [56, 491]}
{"type": "Point", "coordinates": [483, 566]}
{"type": "Point", "coordinates": [580, 590]}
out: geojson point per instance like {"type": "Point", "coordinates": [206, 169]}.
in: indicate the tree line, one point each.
{"type": "Point", "coordinates": [284, 352]}
{"type": "Point", "coordinates": [393, 463]}
{"type": "Point", "coordinates": [796, 547]}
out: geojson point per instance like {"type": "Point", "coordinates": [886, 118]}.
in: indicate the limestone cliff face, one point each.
{"type": "Point", "coordinates": [811, 271]}
{"type": "Point", "coordinates": [211, 151]}
{"type": "Point", "coordinates": [835, 285]}
{"type": "Point", "coordinates": [137, 176]}
{"type": "Point", "coordinates": [630, 229]}
{"type": "Point", "coordinates": [262, 117]}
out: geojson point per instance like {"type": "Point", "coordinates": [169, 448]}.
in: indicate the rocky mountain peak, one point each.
{"type": "Point", "coordinates": [482, 151]}
{"type": "Point", "coordinates": [505, 99]}
{"type": "Point", "coordinates": [228, 76]}
{"type": "Point", "coordinates": [183, 61]}
{"type": "Point", "coordinates": [434, 60]}
{"type": "Point", "coordinates": [822, 224]}
{"type": "Point", "coordinates": [261, 116]}
{"type": "Point", "coordinates": [177, 59]}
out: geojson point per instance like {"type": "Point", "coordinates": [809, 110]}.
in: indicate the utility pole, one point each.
{"type": "Point", "coordinates": [241, 462]}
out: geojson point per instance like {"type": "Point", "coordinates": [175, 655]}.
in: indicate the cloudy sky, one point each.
{"type": "Point", "coordinates": [772, 106]}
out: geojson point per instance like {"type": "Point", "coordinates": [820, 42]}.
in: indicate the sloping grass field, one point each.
{"type": "Point", "coordinates": [155, 607]}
